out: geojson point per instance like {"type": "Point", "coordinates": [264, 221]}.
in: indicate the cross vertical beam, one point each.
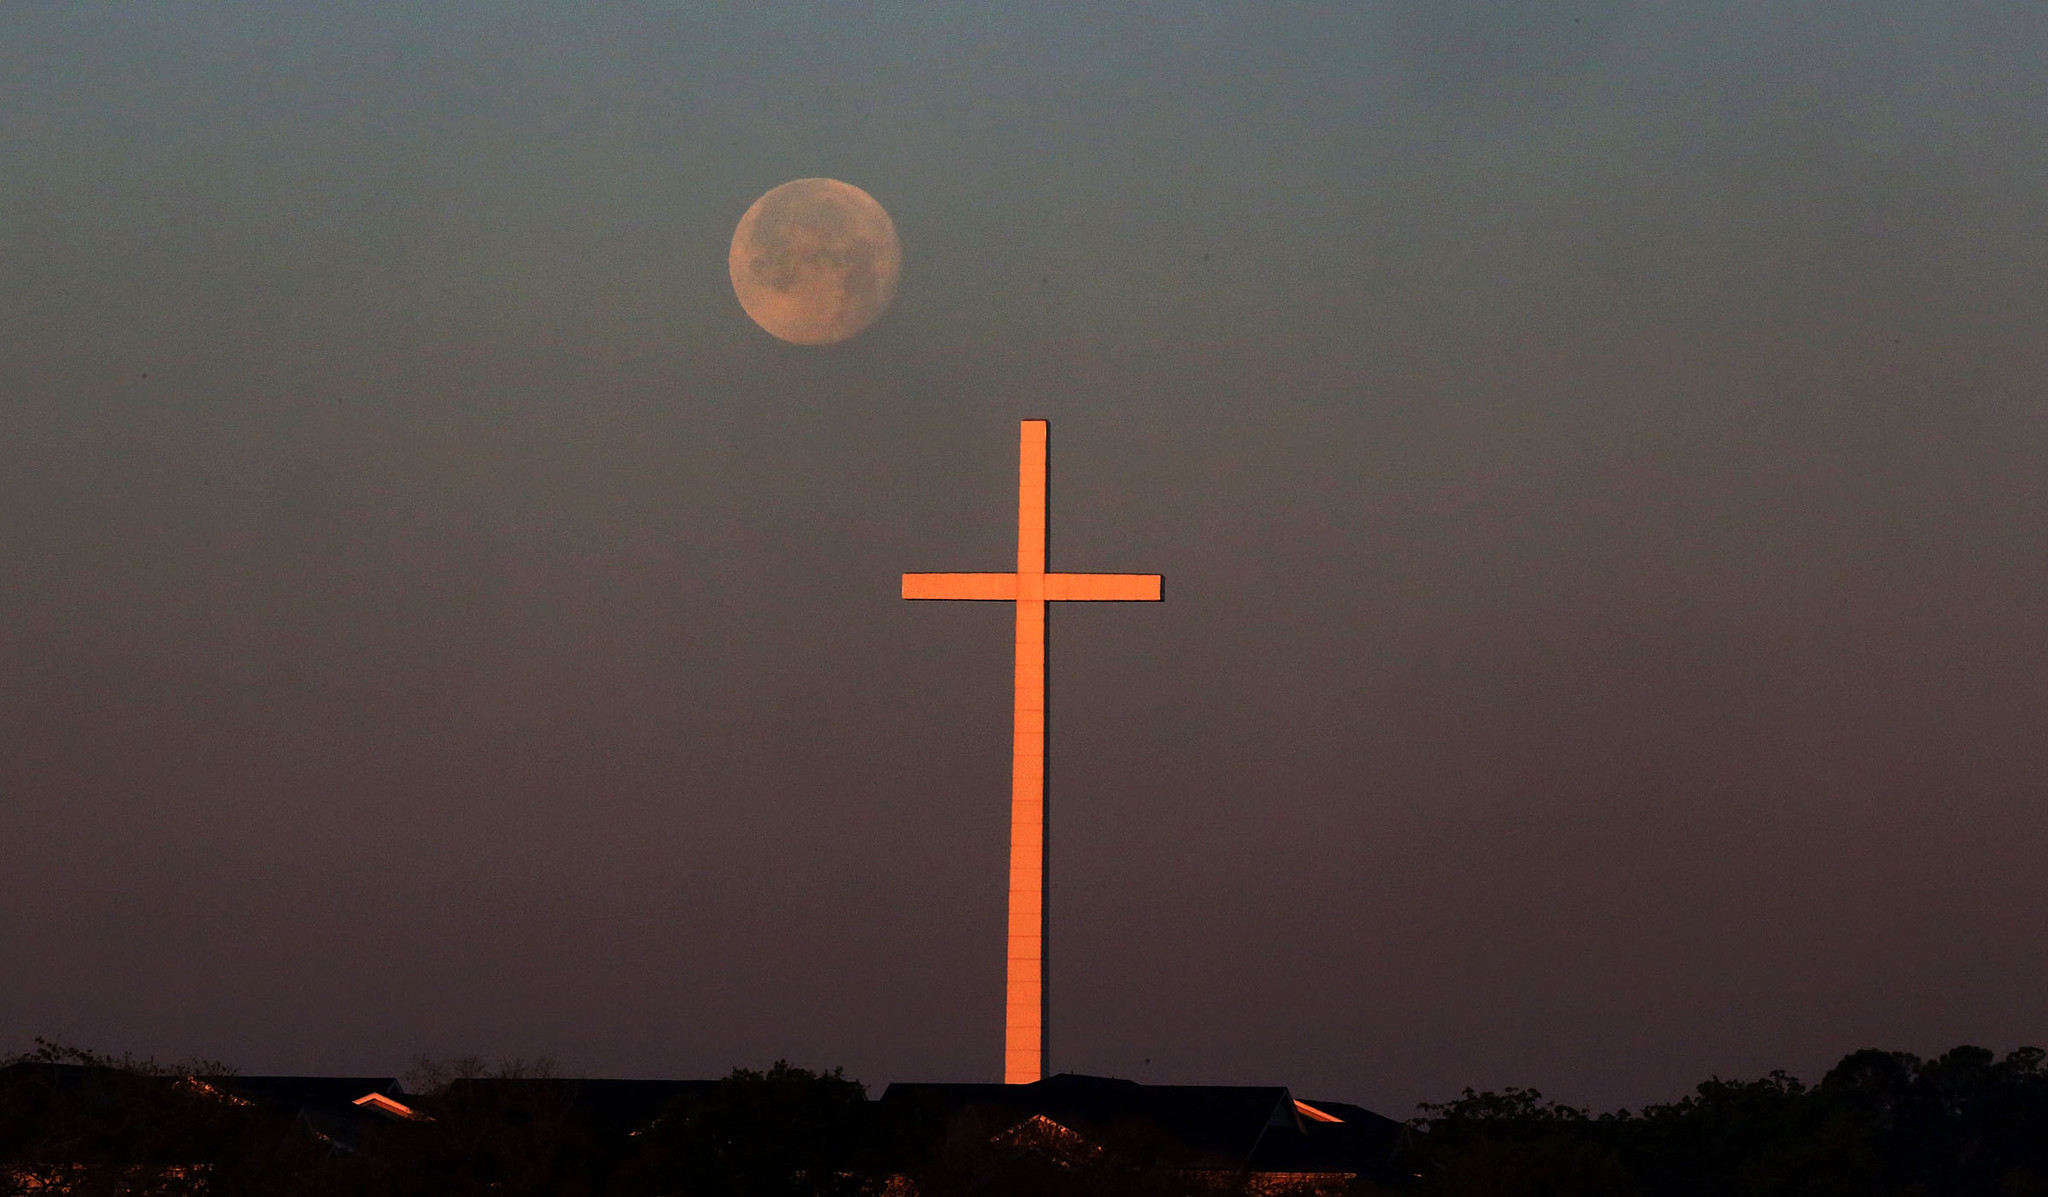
{"type": "Point", "coordinates": [1024, 1021]}
{"type": "Point", "coordinates": [1030, 588]}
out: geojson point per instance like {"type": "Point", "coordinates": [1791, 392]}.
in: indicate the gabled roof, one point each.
{"type": "Point", "coordinates": [1357, 1141]}
{"type": "Point", "coordinates": [330, 1095]}
{"type": "Point", "coordinates": [328, 1106]}
{"type": "Point", "coordinates": [1257, 1127]}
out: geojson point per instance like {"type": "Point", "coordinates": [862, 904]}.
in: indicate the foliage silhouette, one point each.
{"type": "Point", "coordinates": [1965, 1124]}
{"type": "Point", "coordinates": [785, 1132]}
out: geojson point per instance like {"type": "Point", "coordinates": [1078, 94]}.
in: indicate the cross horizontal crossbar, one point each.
{"type": "Point", "coordinates": [1003, 588]}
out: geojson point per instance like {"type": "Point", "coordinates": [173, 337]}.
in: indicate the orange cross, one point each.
{"type": "Point", "coordinates": [1031, 588]}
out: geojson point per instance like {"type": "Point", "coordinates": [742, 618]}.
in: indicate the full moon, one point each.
{"type": "Point", "coordinates": [815, 261]}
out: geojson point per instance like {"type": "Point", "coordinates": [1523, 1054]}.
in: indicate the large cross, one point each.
{"type": "Point", "coordinates": [1031, 588]}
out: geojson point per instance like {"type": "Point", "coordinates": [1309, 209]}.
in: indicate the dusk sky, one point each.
{"type": "Point", "coordinates": [1597, 453]}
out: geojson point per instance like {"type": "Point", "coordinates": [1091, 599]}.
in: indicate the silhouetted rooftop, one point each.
{"type": "Point", "coordinates": [1257, 1127]}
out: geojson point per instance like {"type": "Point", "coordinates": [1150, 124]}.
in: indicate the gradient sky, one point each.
{"type": "Point", "coordinates": [1595, 451]}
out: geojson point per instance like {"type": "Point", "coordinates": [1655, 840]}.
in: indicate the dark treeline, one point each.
{"type": "Point", "coordinates": [78, 1122]}
{"type": "Point", "coordinates": [1879, 1124]}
